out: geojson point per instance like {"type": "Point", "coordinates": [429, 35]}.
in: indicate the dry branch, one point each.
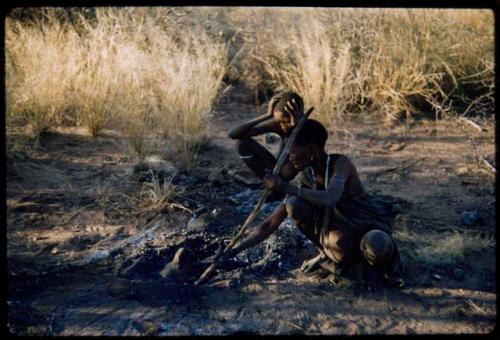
{"type": "Point", "coordinates": [475, 125]}
{"type": "Point", "coordinates": [277, 168]}
{"type": "Point", "coordinates": [489, 165]}
{"type": "Point", "coordinates": [403, 167]}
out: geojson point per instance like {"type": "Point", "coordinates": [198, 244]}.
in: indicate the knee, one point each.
{"type": "Point", "coordinates": [378, 248]}
{"type": "Point", "coordinates": [244, 146]}
{"type": "Point", "coordinates": [295, 209]}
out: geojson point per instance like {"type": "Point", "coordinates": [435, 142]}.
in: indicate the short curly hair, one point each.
{"type": "Point", "coordinates": [279, 101]}
{"type": "Point", "coordinates": [312, 132]}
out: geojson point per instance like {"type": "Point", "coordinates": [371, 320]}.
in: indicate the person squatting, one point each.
{"type": "Point", "coordinates": [326, 200]}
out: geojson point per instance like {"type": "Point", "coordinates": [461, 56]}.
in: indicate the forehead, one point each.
{"type": "Point", "coordinates": [279, 113]}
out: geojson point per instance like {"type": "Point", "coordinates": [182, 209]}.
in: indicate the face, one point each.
{"type": "Point", "coordinates": [285, 120]}
{"type": "Point", "coordinates": [300, 156]}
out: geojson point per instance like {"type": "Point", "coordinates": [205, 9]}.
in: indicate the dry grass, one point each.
{"type": "Point", "coordinates": [123, 69]}
{"type": "Point", "coordinates": [161, 190]}
{"type": "Point", "coordinates": [160, 70]}
{"type": "Point", "coordinates": [453, 249]}
{"type": "Point", "coordinates": [446, 249]}
{"type": "Point", "coordinates": [392, 62]}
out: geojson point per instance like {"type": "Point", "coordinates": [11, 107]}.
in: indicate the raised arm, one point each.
{"type": "Point", "coordinates": [256, 126]}
{"type": "Point", "coordinates": [261, 232]}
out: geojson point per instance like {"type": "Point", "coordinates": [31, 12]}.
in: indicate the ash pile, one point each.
{"type": "Point", "coordinates": [183, 256]}
{"type": "Point", "coordinates": [284, 250]}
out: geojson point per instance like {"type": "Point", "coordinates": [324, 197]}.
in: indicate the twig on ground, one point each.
{"type": "Point", "coordinates": [294, 325]}
{"type": "Point", "coordinates": [476, 307]}
{"type": "Point", "coordinates": [403, 167]}
{"type": "Point", "coordinates": [475, 125]}
{"type": "Point", "coordinates": [177, 205]}
{"type": "Point", "coordinates": [489, 165]}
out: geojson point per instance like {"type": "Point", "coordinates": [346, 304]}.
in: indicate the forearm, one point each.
{"type": "Point", "coordinates": [242, 130]}
{"type": "Point", "coordinates": [318, 197]}
{"type": "Point", "coordinates": [261, 232]}
{"type": "Point", "coordinates": [255, 237]}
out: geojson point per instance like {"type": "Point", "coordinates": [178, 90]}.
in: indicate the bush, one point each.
{"type": "Point", "coordinates": [122, 68]}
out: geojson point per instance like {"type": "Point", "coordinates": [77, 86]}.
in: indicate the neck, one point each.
{"type": "Point", "coordinates": [319, 163]}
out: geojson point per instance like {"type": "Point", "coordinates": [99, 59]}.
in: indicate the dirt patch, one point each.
{"type": "Point", "coordinates": [72, 199]}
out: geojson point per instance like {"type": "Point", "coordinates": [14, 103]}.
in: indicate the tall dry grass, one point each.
{"type": "Point", "coordinates": [396, 63]}
{"type": "Point", "coordinates": [160, 70]}
{"type": "Point", "coordinates": [126, 67]}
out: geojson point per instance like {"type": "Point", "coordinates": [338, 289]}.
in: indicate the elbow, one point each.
{"type": "Point", "coordinates": [236, 134]}
{"type": "Point", "coordinates": [232, 134]}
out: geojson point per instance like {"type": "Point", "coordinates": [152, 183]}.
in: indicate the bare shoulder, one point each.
{"type": "Point", "coordinates": [340, 160]}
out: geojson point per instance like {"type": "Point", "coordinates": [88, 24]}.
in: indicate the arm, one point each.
{"type": "Point", "coordinates": [258, 125]}
{"type": "Point", "coordinates": [261, 232]}
{"type": "Point", "coordinates": [328, 197]}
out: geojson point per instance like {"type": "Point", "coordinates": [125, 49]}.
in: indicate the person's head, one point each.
{"type": "Point", "coordinates": [277, 106]}
{"type": "Point", "coordinates": [309, 143]}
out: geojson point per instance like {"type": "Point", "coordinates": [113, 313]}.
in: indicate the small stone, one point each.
{"type": "Point", "coordinates": [215, 212]}
{"type": "Point", "coordinates": [437, 277]}
{"type": "Point", "coordinates": [271, 138]}
{"type": "Point", "coordinates": [55, 250]}
{"type": "Point", "coordinates": [470, 218]}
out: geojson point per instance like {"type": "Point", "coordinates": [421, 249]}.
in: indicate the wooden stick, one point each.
{"type": "Point", "coordinates": [277, 168]}
{"type": "Point", "coordinates": [477, 126]}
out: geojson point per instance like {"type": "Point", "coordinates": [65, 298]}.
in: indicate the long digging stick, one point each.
{"type": "Point", "coordinates": [277, 168]}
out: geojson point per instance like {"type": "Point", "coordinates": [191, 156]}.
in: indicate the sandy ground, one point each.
{"type": "Point", "coordinates": [73, 197]}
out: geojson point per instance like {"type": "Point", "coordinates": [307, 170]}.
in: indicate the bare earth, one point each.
{"type": "Point", "coordinates": [74, 195]}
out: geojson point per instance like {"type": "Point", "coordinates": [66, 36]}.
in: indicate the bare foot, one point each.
{"type": "Point", "coordinates": [312, 264]}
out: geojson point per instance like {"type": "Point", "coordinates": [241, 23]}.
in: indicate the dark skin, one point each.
{"type": "Point", "coordinates": [279, 122]}
{"type": "Point", "coordinates": [302, 156]}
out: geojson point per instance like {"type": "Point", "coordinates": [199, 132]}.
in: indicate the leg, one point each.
{"type": "Point", "coordinates": [339, 248]}
{"type": "Point", "coordinates": [301, 212]}
{"type": "Point", "coordinates": [259, 160]}
{"type": "Point", "coordinates": [380, 257]}
{"type": "Point", "coordinates": [255, 156]}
